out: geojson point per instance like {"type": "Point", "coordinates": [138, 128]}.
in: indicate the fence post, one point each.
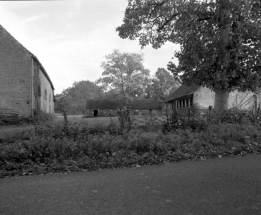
{"type": "Point", "coordinates": [210, 112]}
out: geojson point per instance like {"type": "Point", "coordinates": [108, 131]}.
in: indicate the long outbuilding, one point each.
{"type": "Point", "coordinates": [185, 97]}
{"type": "Point", "coordinates": [108, 107]}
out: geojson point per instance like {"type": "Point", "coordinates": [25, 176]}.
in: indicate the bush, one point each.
{"type": "Point", "coordinates": [234, 116]}
{"type": "Point", "coordinates": [42, 117]}
{"type": "Point", "coordinates": [193, 124]}
{"type": "Point", "coordinates": [14, 120]}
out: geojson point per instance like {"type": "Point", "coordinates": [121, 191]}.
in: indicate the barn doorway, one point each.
{"type": "Point", "coordinates": [95, 113]}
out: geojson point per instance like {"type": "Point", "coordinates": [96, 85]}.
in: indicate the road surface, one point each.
{"type": "Point", "coordinates": [215, 186]}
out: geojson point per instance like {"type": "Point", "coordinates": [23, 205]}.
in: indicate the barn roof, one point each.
{"type": "Point", "coordinates": [183, 90]}
{"type": "Point", "coordinates": [32, 55]}
{"type": "Point", "coordinates": [45, 73]}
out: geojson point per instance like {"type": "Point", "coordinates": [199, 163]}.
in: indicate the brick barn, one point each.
{"type": "Point", "coordinates": [24, 84]}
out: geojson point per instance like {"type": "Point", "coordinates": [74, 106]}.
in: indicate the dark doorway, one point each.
{"type": "Point", "coordinates": [95, 113]}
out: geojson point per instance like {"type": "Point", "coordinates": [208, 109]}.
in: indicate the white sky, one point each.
{"type": "Point", "coordinates": [71, 38]}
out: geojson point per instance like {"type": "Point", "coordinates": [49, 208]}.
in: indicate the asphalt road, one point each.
{"type": "Point", "coordinates": [214, 186]}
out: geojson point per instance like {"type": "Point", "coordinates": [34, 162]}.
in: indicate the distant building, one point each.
{"type": "Point", "coordinates": [106, 107]}
{"type": "Point", "coordinates": [24, 84]}
{"type": "Point", "coordinates": [186, 97]}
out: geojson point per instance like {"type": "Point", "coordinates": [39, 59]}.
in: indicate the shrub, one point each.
{"type": "Point", "coordinates": [42, 117]}
{"type": "Point", "coordinates": [193, 124]}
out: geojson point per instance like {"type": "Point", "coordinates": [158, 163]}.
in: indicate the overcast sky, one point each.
{"type": "Point", "coordinates": [71, 38]}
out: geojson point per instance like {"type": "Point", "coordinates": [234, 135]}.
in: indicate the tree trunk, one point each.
{"type": "Point", "coordinates": [222, 95]}
{"type": "Point", "coordinates": [221, 100]}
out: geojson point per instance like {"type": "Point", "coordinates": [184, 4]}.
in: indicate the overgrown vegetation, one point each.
{"type": "Point", "coordinates": [39, 117]}
{"type": "Point", "coordinates": [56, 148]}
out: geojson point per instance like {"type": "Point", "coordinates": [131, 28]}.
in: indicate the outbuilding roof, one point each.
{"type": "Point", "coordinates": [183, 90]}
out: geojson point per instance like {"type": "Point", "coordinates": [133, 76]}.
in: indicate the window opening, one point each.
{"type": "Point", "coordinates": [45, 94]}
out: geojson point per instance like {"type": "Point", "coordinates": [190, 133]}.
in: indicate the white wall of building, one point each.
{"type": "Point", "coordinates": [47, 103]}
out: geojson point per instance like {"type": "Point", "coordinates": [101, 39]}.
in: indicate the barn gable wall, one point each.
{"type": "Point", "coordinates": [15, 75]}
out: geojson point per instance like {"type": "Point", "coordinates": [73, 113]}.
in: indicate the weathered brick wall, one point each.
{"type": "Point", "coordinates": [15, 74]}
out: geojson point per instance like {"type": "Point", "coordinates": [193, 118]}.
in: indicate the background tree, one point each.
{"type": "Point", "coordinates": [219, 40]}
{"type": "Point", "coordinates": [124, 75]}
{"type": "Point", "coordinates": [163, 84]}
{"type": "Point", "coordinates": [83, 90]}
{"type": "Point", "coordinates": [78, 94]}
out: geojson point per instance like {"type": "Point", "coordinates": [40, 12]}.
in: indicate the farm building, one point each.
{"type": "Point", "coordinates": [106, 107]}
{"type": "Point", "coordinates": [186, 97]}
{"type": "Point", "coordinates": [24, 84]}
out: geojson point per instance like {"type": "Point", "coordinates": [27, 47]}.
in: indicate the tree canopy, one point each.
{"type": "Point", "coordinates": [82, 90]}
{"type": "Point", "coordinates": [124, 75]}
{"type": "Point", "coordinates": [161, 85]}
{"type": "Point", "coordinates": [219, 39]}
{"type": "Point", "coordinates": [73, 99]}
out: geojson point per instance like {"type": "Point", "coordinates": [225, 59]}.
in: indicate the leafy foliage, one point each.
{"type": "Point", "coordinates": [237, 116]}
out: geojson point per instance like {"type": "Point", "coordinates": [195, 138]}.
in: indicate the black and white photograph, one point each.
{"type": "Point", "coordinates": [130, 107]}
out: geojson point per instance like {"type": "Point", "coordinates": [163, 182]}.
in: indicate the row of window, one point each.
{"type": "Point", "coordinates": [45, 95]}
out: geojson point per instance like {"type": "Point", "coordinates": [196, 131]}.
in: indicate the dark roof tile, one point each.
{"type": "Point", "coordinates": [183, 90]}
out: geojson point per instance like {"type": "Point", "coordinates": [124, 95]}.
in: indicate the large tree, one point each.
{"type": "Point", "coordinates": [219, 40]}
{"type": "Point", "coordinates": [124, 75]}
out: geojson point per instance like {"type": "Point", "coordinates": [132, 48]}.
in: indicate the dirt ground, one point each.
{"type": "Point", "coordinates": [91, 121]}
{"type": "Point", "coordinates": [135, 120]}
